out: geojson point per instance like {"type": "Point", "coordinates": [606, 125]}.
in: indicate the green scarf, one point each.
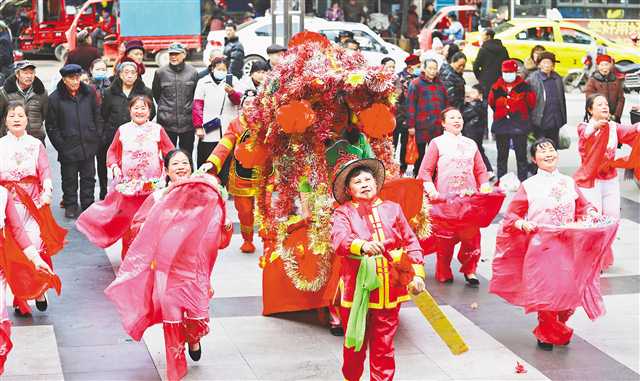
{"type": "Point", "coordinates": [366, 281]}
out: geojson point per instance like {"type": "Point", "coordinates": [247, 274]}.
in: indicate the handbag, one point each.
{"type": "Point", "coordinates": [411, 154]}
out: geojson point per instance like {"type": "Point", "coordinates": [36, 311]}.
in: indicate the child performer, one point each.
{"type": "Point", "coordinates": [459, 168]}
{"type": "Point", "coordinates": [364, 231]}
{"type": "Point", "coordinates": [24, 171]}
{"type": "Point", "coordinates": [135, 159]}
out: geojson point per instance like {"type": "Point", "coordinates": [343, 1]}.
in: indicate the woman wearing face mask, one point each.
{"type": "Point", "coordinates": [155, 285]}
{"type": "Point", "coordinates": [24, 172]}
{"type": "Point", "coordinates": [459, 168]}
{"type": "Point", "coordinates": [135, 160]}
{"type": "Point", "coordinates": [215, 105]}
{"type": "Point", "coordinates": [99, 76]}
{"type": "Point", "coordinates": [604, 81]}
{"type": "Point", "coordinates": [512, 101]}
{"type": "Point", "coordinates": [598, 141]}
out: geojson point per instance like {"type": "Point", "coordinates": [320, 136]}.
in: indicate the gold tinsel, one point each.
{"type": "Point", "coordinates": [421, 223]}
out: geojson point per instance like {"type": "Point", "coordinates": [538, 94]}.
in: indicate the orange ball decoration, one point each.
{"type": "Point", "coordinates": [296, 117]}
{"type": "Point", "coordinates": [377, 121]}
{"type": "Point", "coordinates": [251, 157]}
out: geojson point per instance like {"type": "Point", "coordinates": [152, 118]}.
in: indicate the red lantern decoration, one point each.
{"type": "Point", "coordinates": [296, 117]}
{"type": "Point", "coordinates": [377, 121]}
{"type": "Point", "coordinates": [307, 36]}
{"type": "Point", "coordinates": [251, 157]}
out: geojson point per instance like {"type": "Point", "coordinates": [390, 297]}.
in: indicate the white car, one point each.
{"type": "Point", "coordinates": [255, 36]}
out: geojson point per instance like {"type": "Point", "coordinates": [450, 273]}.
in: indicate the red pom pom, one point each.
{"type": "Point", "coordinates": [377, 121]}
{"type": "Point", "coordinates": [296, 117]}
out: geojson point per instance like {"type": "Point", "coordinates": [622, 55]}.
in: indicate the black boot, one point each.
{"type": "Point", "coordinates": [472, 282]}
{"type": "Point", "coordinates": [42, 305]}
{"type": "Point", "coordinates": [336, 330]}
{"type": "Point", "coordinates": [545, 346]}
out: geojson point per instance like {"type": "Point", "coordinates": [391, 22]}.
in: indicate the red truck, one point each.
{"type": "Point", "coordinates": [156, 23]}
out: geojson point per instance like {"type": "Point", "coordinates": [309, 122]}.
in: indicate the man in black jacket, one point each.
{"type": "Point", "coordinates": [173, 88]}
{"type": "Point", "coordinates": [451, 76]}
{"type": "Point", "coordinates": [26, 87]}
{"type": "Point", "coordinates": [233, 50]}
{"type": "Point", "coordinates": [115, 112]}
{"type": "Point", "coordinates": [487, 65]}
{"type": "Point", "coordinates": [74, 131]}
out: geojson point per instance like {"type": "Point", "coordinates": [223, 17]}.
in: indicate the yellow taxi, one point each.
{"type": "Point", "coordinates": [570, 42]}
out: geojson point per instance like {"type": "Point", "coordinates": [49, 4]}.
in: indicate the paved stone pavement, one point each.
{"type": "Point", "coordinates": [80, 336]}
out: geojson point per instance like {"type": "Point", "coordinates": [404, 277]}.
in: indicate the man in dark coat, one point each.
{"type": "Point", "coordinates": [451, 76]}
{"type": "Point", "coordinates": [74, 131]}
{"type": "Point", "coordinates": [24, 86]}
{"type": "Point", "coordinates": [487, 65]}
{"type": "Point", "coordinates": [550, 112]}
{"type": "Point", "coordinates": [85, 53]}
{"type": "Point", "coordinates": [233, 50]}
{"type": "Point", "coordinates": [115, 112]}
{"type": "Point", "coordinates": [173, 88]}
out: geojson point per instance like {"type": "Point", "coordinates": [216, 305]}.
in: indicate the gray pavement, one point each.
{"type": "Point", "coordinates": [80, 336]}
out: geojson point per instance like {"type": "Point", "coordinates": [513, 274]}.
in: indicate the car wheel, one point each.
{"type": "Point", "coordinates": [61, 53]}
{"type": "Point", "coordinates": [162, 58]}
{"type": "Point", "coordinates": [248, 62]}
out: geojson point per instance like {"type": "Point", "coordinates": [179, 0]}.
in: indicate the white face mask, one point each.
{"type": "Point", "coordinates": [509, 77]}
{"type": "Point", "coordinates": [219, 74]}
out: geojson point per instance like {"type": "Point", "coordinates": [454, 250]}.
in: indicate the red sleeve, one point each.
{"type": "Point", "coordinates": [479, 169]}
{"type": "Point", "coordinates": [165, 143]}
{"type": "Point", "coordinates": [235, 97]}
{"type": "Point", "coordinates": [114, 154]}
{"type": "Point", "coordinates": [14, 224]}
{"type": "Point", "coordinates": [42, 168]}
{"type": "Point", "coordinates": [531, 100]}
{"type": "Point", "coordinates": [428, 165]}
{"type": "Point", "coordinates": [342, 236]}
{"type": "Point", "coordinates": [627, 133]}
{"type": "Point", "coordinates": [196, 112]}
{"type": "Point", "coordinates": [411, 244]}
{"type": "Point", "coordinates": [517, 210]}
{"type": "Point", "coordinates": [583, 207]}
{"type": "Point", "coordinates": [582, 140]}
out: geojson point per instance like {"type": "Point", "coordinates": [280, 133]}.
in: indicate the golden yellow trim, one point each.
{"type": "Point", "coordinates": [225, 141]}
{"type": "Point", "coordinates": [215, 160]}
{"type": "Point", "coordinates": [419, 270]}
{"type": "Point", "coordinates": [246, 229]}
{"type": "Point", "coordinates": [356, 246]}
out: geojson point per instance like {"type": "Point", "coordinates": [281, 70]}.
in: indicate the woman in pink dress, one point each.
{"type": "Point", "coordinates": [24, 171]}
{"type": "Point", "coordinates": [11, 225]}
{"type": "Point", "coordinates": [547, 199]}
{"type": "Point", "coordinates": [458, 167]}
{"type": "Point", "coordinates": [598, 141]}
{"type": "Point", "coordinates": [135, 160]}
{"type": "Point", "coordinates": [154, 285]}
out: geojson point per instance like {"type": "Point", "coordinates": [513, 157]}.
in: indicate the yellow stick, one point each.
{"type": "Point", "coordinates": [439, 322]}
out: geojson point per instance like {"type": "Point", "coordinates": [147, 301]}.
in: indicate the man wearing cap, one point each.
{"type": "Point", "coordinates": [74, 131]}
{"type": "Point", "coordinates": [276, 53]}
{"type": "Point", "coordinates": [84, 53]}
{"type": "Point", "coordinates": [604, 81]}
{"type": "Point", "coordinates": [512, 101]}
{"type": "Point", "coordinates": [400, 135]}
{"type": "Point", "coordinates": [173, 88]}
{"type": "Point", "coordinates": [550, 112]}
{"type": "Point", "coordinates": [233, 50]}
{"type": "Point", "coordinates": [24, 86]}
{"type": "Point", "coordinates": [381, 261]}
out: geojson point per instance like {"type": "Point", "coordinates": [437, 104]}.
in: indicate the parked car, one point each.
{"type": "Point", "coordinates": [569, 41]}
{"type": "Point", "coordinates": [255, 36]}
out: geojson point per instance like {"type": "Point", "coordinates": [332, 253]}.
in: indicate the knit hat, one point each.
{"type": "Point", "coordinates": [547, 56]}
{"type": "Point", "coordinates": [132, 45]}
{"type": "Point", "coordinates": [509, 66]}
{"type": "Point", "coordinates": [603, 58]}
{"type": "Point", "coordinates": [411, 60]}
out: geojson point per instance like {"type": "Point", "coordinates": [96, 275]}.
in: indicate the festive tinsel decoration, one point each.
{"type": "Point", "coordinates": [327, 83]}
{"type": "Point", "coordinates": [421, 223]}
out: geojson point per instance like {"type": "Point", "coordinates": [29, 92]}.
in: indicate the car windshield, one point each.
{"type": "Point", "coordinates": [246, 24]}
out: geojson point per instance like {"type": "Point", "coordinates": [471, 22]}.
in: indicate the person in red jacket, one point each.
{"type": "Point", "coordinates": [512, 101]}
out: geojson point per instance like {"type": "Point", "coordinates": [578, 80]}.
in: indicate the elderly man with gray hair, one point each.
{"type": "Point", "coordinates": [173, 88]}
